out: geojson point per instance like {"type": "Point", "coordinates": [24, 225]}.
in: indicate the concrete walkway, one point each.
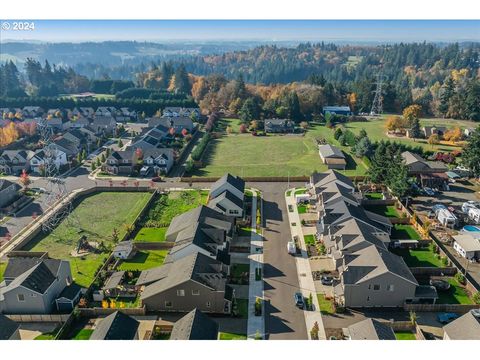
{"type": "Point", "coordinates": [256, 324]}
{"type": "Point", "coordinates": [304, 271]}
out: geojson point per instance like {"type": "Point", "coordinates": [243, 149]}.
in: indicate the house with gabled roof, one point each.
{"type": "Point", "coordinates": [31, 285]}
{"type": "Point", "coordinates": [332, 156]}
{"type": "Point", "coordinates": [8, 192]}
{"type": "Point", "coordinates": [13, 162]}
{"type": "Point", "coordinates": [121, 162]}
{"type": "Point", "coordinates": [157, 161]}
{"type": "Point", "coordinates": [466, 327]}
{"type": "Point", "coordinates": [177, 123]}
{"type": "Point", "coordinates": [233, 184]}
{"type": "Point", "coordinates": [116, 326]}
{"type": "Point", "coordinates": [279, 126]}
{"type": "Point", "coordinates": [9, 329]}
{"type": "Point", "coordinates": [195, 281]}
{"type": "Point", "coordinates": [40, 157]}
{"type": "Point", "coordinates": [195, 326]}
{"type": "Point", "coordinates": [369, 329]}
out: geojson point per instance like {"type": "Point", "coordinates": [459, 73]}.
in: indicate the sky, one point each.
{"type": "Point", "coordinates": [245, 30]}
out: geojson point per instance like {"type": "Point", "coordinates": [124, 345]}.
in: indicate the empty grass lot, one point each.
{"type": "Point", "coordinates": [326, 306]}
{"type": "Point", "coordinates": [144, 260]}
{"type": "Point", "coordinates": [231, 336]}
{"type": "Point", "coordinates": [404, 232]}
{"type": "Point", "coordinates": [423, 257]}
{"type": "Point", "coordinates": [405, 335]}
{"type": "Point", "coordinates": [97, 216]}
{"type": "Point", "coordinates": [455, 295]}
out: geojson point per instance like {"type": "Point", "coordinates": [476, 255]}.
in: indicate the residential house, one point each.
{"type": "Point", "coordinates": [68, 298]}
{"type": "Point", "coordinates": [332, 156]}
{"type": "Point", "coordinates": [466, 327]}
{"type": "Point", "coordinates": [178, 123]}
{"type": "Point", "coordinates": [121, 162]}
{"type": "Point", "coordinates": [181, 111]}
{"type": "Point", "coordinates": [78, 123]}
{"type": "Point", "coordinates": [56, 124]}
{"type": "Point", "coordinates": [193, 282]}
{"type": "Point", "coordinates": [227, 195]}
{"type": "Point", "coordinates": [153, 138]}
{"type": "Point", "coordinates": [31, 285]}
{"type": "Point", "coordinates": [125, 114]}
{"type": "Point", "coordinates": [83, 112]}
{"type": "Point", "coordinates": [428, 173]}
{"type": "Point", "coordinates": [279, 126]}
{"type": "Point", "coordinates": [124, 250]}
{"type": "Point", "coordinates": [337, 110]}
{"type": "Point", "coordinates": [70, 148]}
{"type": "Point", "coordinates": [116, 326]}
{"type": "Point", "coordinates": [157, 161]}
{"type": "Point", "coordinates": [106, 111]}
{"type": "Point", "coordinates": [39, 160]}
{"type": "Point", "coordinates": [9, 329]}
{"type": "Point", "coordinates": [369, 329]}
{"type": "Point", "coordinates": [8, 192]}
{"type": "Point", "coordinates": [103, 125]}
{"type": "Point", "coordinates": [200, 230]}
{"type": "Point", "coordinates": [467, 246]}
{"type": "Point", "coordinates": [32, 111]}
{"type": "Point", "coordinates": [13, 162]}
{"type": "Point", "coordinates": [195, 326]}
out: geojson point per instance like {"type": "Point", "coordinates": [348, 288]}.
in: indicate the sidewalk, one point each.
{"type": "Point", "coordinates": [304, 271]}
{"type": "Point", "coordinates": [255, 323]}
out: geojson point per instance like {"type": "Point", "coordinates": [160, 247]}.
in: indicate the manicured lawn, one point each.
{"type": "Point", "coordinates": [242, 308]}
{"type": "Point", "coordinates": [232, 336]}
{"type": "Point", "coordinates": [302, 209]}
{"type": "Point", "coordinates": [238, 269]}
{"type": "Point", "coordinates": [404, 232]}
{"type": "Point", "coordinates": [455, 295]}
{"type": "Point", "coordinates": [97, 216]}
{"type": "Point", "coordinates": [3, 266]}
{"type": "Point", "coordinates": [272, 155]}
{"type": "Point", "coordinates": [289, 192]}
{"type": "Point", "coordinates": [374, 196]}
{"type": "Point", "coordinates": [309, 239]}
{"type": "Point", "coordinates": [83, 334]}
{"type": "Point", "coordinates": [166, 207]}
{"type": "Point", "coordinates": [326, 306]}
{"type": "Point", "coordinates": [405, 335]}
{"type": "Point", "coordinates": [151, 234]}
{"type": "Point", "coordinates": [384, 210]}
{"type": "Point", "coordinates": [300, 191]}
{"type": "Point", "coordinates": [46, 336]}
{"type": "Point", "coordinates": [423, 257]}
{"type": "Point", "coordinates": [144, 260]}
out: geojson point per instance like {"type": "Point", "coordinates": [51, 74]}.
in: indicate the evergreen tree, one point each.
{"type": "Point", "coordinates": [471, 153]}
{"type": "Point", "coordinates": [182, 83]}
{"type": "Point", "coordinates": [415, 128]}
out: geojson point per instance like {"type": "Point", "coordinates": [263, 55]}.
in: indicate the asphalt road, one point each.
{"type": "Point", "coordinates": [283, 320]}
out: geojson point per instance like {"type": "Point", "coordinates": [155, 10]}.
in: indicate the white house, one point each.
{"type": "Point", "coordinates": [467, 246]}
{"type": "Point", "coordinates": [39, 160]}
{"type": "Point", "coordinates": [227, 195]}
{"type": "Point", "coordinates": [124, 250]}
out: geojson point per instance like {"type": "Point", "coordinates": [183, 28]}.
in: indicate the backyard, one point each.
{"type": "Point", "coordinates": [164, 209]}
{"type": "Point", "coordinates": [422, 257]}
{"type": "Point", "coordinates": [384, 210]}
{"type": "Point", "coordinates": [144, 260]}
{"type": "Point", "coordinates": [242, 308]}
{"type": "Point", "coordinates": [455, 295]}
{"type": "Point", "coordinates": [231, 336]}
{"type": "Point", "coordinates": [405, 335]}
{"type": "Point", "coordinates": [404, 232]}
{"type": "Point", "coordinates": [95, 217]}
{"type": "Point", "coordinates": [83, 334]}
{"type": "Point", "coordinates": [309, 239]}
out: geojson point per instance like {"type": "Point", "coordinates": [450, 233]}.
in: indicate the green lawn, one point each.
{"type": "Point", "coordinates": [405, 335]}
{"type": "Point", "coordinates": [242, 308]}
{"type": "Point", "coordinates": [384, 210]}
{"type": "Point", "coordinates": [166, 207]}
{"type": "Point", "coordinates": [231, 336]}
{"type": "Point", "coordinates": [455, 295]}
{"type": "Point", "coordinates": [289, 192]}
{"type": "Point", "coordinates": [83, 334]}
{"type": "Point", "coordinates": [97, 216]}
{"type": "Point", "coordinates": [302, 209]}
{"type": "Point", "coordinates": [423, 257]}
{"type": "Point", "coordinates": [273, 155]}
{"type": "Point", "coordinates": [309, 239]}
{"type": "Point", "coordinates": [404, 232]}
{"type": "Point", "coordinates": [151, 234]}
{"type": "Point", "coordinates": [3, 266]}
{"type": "Point", "coordinates": [326, 306]}
{"type": "Point", "coordinates": [374, 196]}
{"type": "Point", "coordinates": [144, 260]}
{"type": "Point", "coordinates": [238, 269]}
{"type": "Point", "coordinates": [300, 191]}
{"type": "Point", "coordinates": [46, 336]}
{"type": "Point", "coordinates": [248, 193]}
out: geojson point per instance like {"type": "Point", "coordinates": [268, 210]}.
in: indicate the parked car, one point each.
{"type": "Point", "coordinates": [445, 318]}
{"type": "Point", "coordinates": [157, 179]}
{"type": "Point", "coordinates": [428, 191]}
{"type": "Point", "coordinates": [440, 285]}
{"type": "Point", "coordinates": [327, 280]}
{"type": "Point", "coordinates": [291, 248]}
{"type": "Point", "coordinates": [299, 302]}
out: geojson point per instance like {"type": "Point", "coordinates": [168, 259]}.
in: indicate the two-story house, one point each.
{"type": "Point", "coordinates": [121, 162]}
{"type": "Point", "coordinates": [13, 162]}
{"type": "Point", "coordinates": [227, 195]}
{"type": "Point", "coordinates": [8, 192]}
{"type": "Point", "coordinates": [157, 162]}
{"type": "Point", "coordinates": [39, 160]}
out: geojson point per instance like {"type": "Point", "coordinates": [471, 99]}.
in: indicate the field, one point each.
{"type": "Point", "coordinates": [97, 216]}
{"type": "Point", "coordinates": [144, 260]}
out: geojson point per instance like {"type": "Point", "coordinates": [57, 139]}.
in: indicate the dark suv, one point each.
{"type": "Point", "coordinates": [299, 300]}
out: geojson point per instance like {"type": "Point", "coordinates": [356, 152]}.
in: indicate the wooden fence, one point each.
{"type": "Point", "coordinates": [48, 318]}
{"type": "Point", "coordinates": [96, 311]}
{"type": "Point", "coordinates": [148, 245]}
{"type": "Point", "coordinates": [433, 271]}
{"type": "Point", "coordinates": [455, 308]}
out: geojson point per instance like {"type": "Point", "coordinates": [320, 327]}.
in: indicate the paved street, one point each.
{"type": "Point", "coordinates": [283, 319]}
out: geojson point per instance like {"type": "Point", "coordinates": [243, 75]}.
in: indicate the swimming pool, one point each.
{"type": "Point", "coordinates": [471, 228]}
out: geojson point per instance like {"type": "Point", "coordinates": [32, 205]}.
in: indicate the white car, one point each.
{"type": "Point", "coordinates": [291, 248]}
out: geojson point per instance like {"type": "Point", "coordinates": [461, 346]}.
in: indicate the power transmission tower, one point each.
{"type": "Point", "coordinates": [377, 105]}
{"type": "Point", "coordinates": [56, 190]}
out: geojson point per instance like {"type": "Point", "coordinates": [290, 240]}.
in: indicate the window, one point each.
{"type": "Point", "coordinates": [168, 304]}
{"type": "Point", "coordinates": [208, 304]}
{"type": "Point", "coordinates": [195, 292]}
{"type": "Point", "coordinates": [390, 287]}
{"type": "Point", "coordinates": [233, 211]}
{"type": "Point", "coordinates": [376, 287]}
{"type": "Point", "coordinates": [180, 292]}
{"type": "Point", "coordinates": [21, 297]}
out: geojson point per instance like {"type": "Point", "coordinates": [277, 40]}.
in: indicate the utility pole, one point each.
{"type": "Point", "coordinates": [377, 105]}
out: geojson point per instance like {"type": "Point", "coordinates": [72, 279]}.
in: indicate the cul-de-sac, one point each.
{"type": "Point", "coordinates": [307, 191]}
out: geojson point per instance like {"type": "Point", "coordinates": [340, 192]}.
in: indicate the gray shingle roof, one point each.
{"type": "Point", "coordinates": [330, 151]}
{"type": "Point", "coordinates": [195, 326]}
{"type": "Point", "coordinates": [116, 326]}
{"type": "Point", "coordinates": [7, 327]}
{"type": "Point", "coordinates": [466, 327]}
{"type": "Point", "coordinates": [371, 329]}
{"type": "Point", "coordinates": [235, 181]}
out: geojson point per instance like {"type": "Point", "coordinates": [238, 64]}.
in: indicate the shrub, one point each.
{"type": "Point", "coordinates": [340, 309]}
{"type": "Point", "coordinates": [460, 278]}
{"type": "Point", "coordinates": [200, 148]}
{"type": "Point", "coordinates": [258, 306]}
{"type": "Point", "coordinates": [444, 261]}
{"type": "Point", "coordinates": [476, 297]}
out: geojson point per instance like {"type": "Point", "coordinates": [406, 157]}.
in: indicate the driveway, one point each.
{"type": "Point", "coordinates": [283, 320]}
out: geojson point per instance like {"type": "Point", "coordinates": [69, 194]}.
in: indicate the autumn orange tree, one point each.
{"type": "Point", "coordinates": [394, 123]}
{"type": "Point", "coordinates": [433, 139]}
{"type": "Point", "coordinates": [412, 112]}
{"type": "Point", "coordinates": [453, 135]}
